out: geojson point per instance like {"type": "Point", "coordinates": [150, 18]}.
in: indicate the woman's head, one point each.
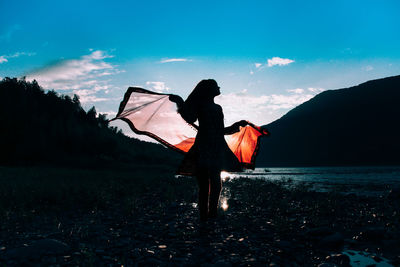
{"type": "Point", "coordinates": [204, 91]}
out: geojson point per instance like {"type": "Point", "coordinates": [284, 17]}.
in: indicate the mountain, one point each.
{"type": "Point", "coordinates": [359, 125]}
{"type": "Point", "coordinates": [38, 127]}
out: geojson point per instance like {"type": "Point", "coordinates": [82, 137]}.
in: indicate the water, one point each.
{"type": "Point", "coordinates": [362, 258]}
{"type": "Point", "coordinates": [364, 180]}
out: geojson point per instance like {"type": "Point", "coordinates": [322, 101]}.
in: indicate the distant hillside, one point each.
{"type": "Point", "coordinates": [38, 127]}
{"type": "Point", "coordinates": [359, 125]}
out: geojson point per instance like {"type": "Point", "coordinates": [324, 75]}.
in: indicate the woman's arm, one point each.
{"type": "Point", "coordinates": [177, 99]}
{"type": "Point", "coordinates": [235, 127]}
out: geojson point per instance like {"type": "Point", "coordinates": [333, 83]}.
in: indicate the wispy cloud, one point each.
{"type": "Point", "coordinates": [315, 90]}
{"type": "Point", "coordinates": [84, 76]}
{"type": "Point", "coordinates": [158, 86]}
{"type": "Point", "coordinates": [168, 60]}
{"type": "Point", "coordinates": [296, 91]}
{"type": "Point", "coordinates": [279, 61]}
{"type": "Point", "coordinates": [4, 58]}
{"type": "Point", "coordinates": [73, 73]}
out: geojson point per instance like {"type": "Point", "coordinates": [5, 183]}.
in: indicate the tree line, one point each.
{"type": "Point", "coordinates": [45, 127]}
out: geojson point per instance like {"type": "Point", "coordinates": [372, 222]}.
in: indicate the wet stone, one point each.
{"type": "Point", "coordinates": [340, 259]}
{"type": "Point", "coordinates": [319, 232]}
{"type": "Point", "coordinates": [334, 241]}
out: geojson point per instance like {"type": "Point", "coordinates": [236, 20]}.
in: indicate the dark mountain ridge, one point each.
{"type": "Point", "coordinates": [352, 126]}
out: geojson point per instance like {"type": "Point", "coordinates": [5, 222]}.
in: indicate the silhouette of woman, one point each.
{"type": "Point", "coordinates": [206, 151]}
{"type": "Point", "coordinates": [210, 153]}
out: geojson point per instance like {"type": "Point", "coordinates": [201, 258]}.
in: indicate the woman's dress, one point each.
{"type": "Point", "coordinates": [210, 152]}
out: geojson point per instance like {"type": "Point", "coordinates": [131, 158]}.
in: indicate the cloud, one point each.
{"type": "Point", "coordinates": [168, 60]}
{"type": "Point", "coordinates": [315, 90]}
{"type": "Point", "coordinates": [296, 91]}
{"type": "Point", "coordinates": [279, 61]}
{"type": "Point", "coordinates": [242, 105]}
{"type": "Point", "coordinates": [85, 76]}
{"type": "Point", "coordinates": [368, 68]}
{"type": "Point", "coordinates": [158, 86]}
{"type": "Point", "coordinates": [68, 74]}
{"type": "Point", "coordinates": [261, 109]}
{"type": "Point", "coordinates": [288, 101]}
{"type": "Point", "coordinates": [272, 62]}
{"type": "Point", "coordinates": [110, 113]}
{"type": "Point", "coordinates": [4, 58]}
{"type": "Point", "coordinates": [91, 99]}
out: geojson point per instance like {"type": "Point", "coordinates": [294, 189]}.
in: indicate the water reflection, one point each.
{"type": "Point", "coordinates": [224, 204]}
{"type": "Point", "coordinates": [226, 193]}
{"type": "Point", "coordinates": [365, 180]}
{"type": "Point", "coordinates": [225, 176]}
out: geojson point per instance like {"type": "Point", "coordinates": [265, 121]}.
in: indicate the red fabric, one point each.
{"type": "Point", "coordinates": [154, 115]}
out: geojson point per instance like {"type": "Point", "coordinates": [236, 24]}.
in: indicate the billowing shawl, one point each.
{"type": "Point", "coordinates": [155, 115]}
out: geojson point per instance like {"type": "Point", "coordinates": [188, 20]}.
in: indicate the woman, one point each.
{"type": "Point", "coordinates": [210, 153]}
{"type": "Point", "coordinates": [206, 152]}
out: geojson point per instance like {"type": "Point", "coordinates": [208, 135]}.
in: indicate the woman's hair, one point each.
{"type": "Point", "coordinates": [202, 92]}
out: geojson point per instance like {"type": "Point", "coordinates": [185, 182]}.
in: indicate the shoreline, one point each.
{"type": "Point", "coordinates": [131, 219]}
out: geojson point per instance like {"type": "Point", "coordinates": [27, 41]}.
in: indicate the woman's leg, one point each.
{"type": "Point", "coordinates": [204, 188]}
{"type": "Point", "coordinates": [215, 191]}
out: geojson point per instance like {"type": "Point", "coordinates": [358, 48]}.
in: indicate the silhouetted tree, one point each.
{"type": "Point", "coordinates": [44, 127]}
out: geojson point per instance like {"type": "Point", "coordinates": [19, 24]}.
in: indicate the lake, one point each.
{"type": "Point", "coordinates": [359, 180]}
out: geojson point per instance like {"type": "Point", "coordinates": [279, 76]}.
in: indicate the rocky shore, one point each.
{"type": "Point", "coordinates": [155, 223]}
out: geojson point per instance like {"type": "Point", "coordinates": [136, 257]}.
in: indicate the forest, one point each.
{"type": "Point", "coordinates": [39, 127]}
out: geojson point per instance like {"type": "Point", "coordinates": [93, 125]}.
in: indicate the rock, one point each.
{"type": "Point", "coordinates": [38, 249]}
{"type": "Point", "coordinates": [339, 259]}
{"type": "Point", "coordinates": [394, 194]}
{"type": "Point", "coordinates": [286, 245]}
{"type": "Point", "coordinates": [319, 232]}
{"type": "Point", "coordinates": [376, 258]}
{"type": "Point", "coordinates": [333, 241]}
{"type": "Point", "coordinates": [373, 234]}
{"type": "Point", "coordinates": [52, 260]}
{"type": "Point", "coordinates": [99, 251]}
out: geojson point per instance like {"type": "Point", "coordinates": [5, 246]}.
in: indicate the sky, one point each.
{"type": "Point", "coordinates": [267, 56]}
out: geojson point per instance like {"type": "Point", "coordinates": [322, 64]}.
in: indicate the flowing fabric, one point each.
{"type": "Point", "coordinates": [155, 115]}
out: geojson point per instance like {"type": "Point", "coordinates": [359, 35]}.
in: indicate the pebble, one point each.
{"type": "Point", "coordinates": [334, 241]}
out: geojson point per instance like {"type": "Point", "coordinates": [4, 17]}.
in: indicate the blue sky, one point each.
{"type": "Point", "coordinates": [268, 56]}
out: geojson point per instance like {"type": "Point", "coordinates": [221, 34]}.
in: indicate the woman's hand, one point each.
{"type": "Point", "coordinates": [242, 123]}
{"type": "Point", "coordinates": [234, 128]}
{"type": "Point", "coordinates": [176, 99]}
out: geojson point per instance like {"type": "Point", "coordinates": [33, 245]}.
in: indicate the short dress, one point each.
{"type": "Point", "coordinates": [210, 153]}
